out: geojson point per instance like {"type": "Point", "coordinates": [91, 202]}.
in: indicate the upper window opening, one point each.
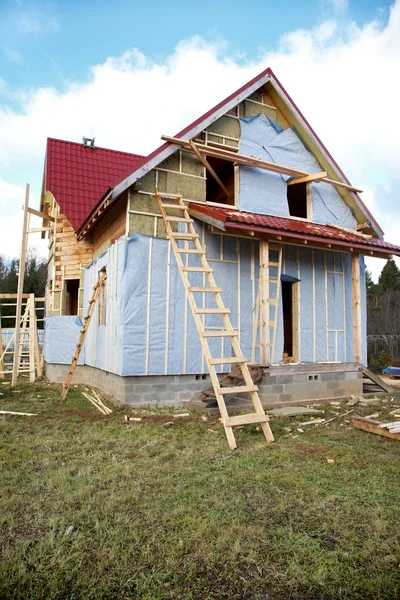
{"type": "Point", "coordinates": [225, 171]}
{"type": "Point", "coordinates": [297, 200]}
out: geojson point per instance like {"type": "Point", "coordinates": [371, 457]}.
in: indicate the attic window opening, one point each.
{"type": "Point", "coordinates": [226, 173]}
{"type": "Point", "coordinates": [297, 200]}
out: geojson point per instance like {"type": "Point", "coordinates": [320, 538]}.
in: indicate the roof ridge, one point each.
{"type": "Point", "coordinates": [96, 147]}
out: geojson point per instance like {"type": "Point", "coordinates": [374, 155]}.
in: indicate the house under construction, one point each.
{"type": "Point", "coordinates": [239, 237]}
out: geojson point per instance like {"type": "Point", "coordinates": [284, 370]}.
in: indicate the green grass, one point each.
{"type": "Point", "coordinates": [97, 509]}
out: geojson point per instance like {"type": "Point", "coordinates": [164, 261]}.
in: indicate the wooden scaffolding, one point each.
{"type": "Point", "coordinates": [22, 349]}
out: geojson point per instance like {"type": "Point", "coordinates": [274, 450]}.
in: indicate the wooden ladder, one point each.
{"type": "Point", "coordinates": [274, 292]}
{"type": "Point", "coordinates": [86, 322]}
{"type": "Point", "coordinates": [226, 331]}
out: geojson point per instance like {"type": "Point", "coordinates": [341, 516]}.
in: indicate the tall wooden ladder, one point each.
{"type": "Point", "coordinates": [274, 283]}
{"type": "Point", "coordinates": [86, 322]}
{"type": "Point", "coordinates": [191, 237]}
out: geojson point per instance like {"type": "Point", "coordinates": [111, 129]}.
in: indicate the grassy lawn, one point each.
{"type": "Point", "coordinates": [92, 507]}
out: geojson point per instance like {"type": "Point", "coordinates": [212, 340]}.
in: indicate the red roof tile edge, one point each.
{"type": "Point", "coordinates": [294, 229]}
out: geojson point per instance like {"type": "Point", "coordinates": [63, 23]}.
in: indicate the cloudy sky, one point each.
{"type": "Point", "coordinates": [128, 71]}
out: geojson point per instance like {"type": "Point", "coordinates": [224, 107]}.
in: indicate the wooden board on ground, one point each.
{"type": "Point", "coordinates": [373, 427]}
{"type": "Point", "coordinates": [377, 380]}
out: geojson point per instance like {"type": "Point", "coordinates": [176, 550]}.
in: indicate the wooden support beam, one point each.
{"type": "Point", "coordinates": [264, 304]}
{"type": "Point", "coordinates": [21, 274]}
{"type": "Point", "coordinates": [40, 229]}
{"type": "Point", "coordinates": [251, 161]}
{"type": "Point", "coordinates": [42, 215]}
{"type": "Point", "coordinates": [209, 168]}
{"type": "Point", "coordinates": [356, 304]}
{"type": "Point", "coordinates": [308, 178]}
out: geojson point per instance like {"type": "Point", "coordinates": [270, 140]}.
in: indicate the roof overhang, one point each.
{"type": "Point", "coordinates": [283, 230]}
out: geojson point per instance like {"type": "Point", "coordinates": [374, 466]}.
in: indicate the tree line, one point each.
{"type": "Point", "coordinates": [383, 316]}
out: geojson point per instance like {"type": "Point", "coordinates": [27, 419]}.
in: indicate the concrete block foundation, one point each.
{"type": "Point", "coordinates": [279, 385]}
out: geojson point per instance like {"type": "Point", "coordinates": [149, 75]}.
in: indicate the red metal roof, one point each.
{"type": "Point", "coordinates": [294, 229]}
{"type": "Point", "coordinates": [78, 176]}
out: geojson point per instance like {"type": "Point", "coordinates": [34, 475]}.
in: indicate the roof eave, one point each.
{"type": "Point", "coordinates": [367, 250]}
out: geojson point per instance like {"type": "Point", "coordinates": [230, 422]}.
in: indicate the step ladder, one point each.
{"type": "Point", "coordinates": [86, 322]}
{"type": "Point", "coordinates": [274, 295]}
{"type": "Point", "coordinates": [191, 237]}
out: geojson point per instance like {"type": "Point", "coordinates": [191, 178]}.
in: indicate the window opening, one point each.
{"type": "Point", "coordinates": [297, 200]}
{"type": "Point", "coordinates": [71, 287]}
{"type": "Point", "coordinates": [225, 171]}
{"type": "Point", "coordinates": [287, 305]}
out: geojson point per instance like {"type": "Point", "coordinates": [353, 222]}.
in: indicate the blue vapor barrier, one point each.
{"type": "Point", "coordinates": [61, 336]}
{"type": "Point", "coordinates": [265, 192]}
{"type": "Point", "coordinates": [148, 328]}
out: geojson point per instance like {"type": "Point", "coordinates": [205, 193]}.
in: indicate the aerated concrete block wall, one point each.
{"type": "Point", "coordinates": [279, 385]}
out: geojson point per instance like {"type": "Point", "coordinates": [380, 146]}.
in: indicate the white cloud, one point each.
{"type": "Point", "coordinates": [11, 202]}
{"type": "Point", "coordinates": [33, 21]}
{"type": "Point", "coordinates": [339, 6]}
{"type": "Point", "coordinates": [342, 77]}
{"type": "Point", "coordinates": [12, 55]}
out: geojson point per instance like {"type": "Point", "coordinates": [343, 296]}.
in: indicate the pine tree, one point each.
{"type": "Point", "coordinates": [389, 279]}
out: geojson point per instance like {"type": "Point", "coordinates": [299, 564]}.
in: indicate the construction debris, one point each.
{"type": "Point", "coordinates": [21, 414]}
{"type": "Point", "coordinates": [294, 411]}
{"type": "Point", "coordinates": [385, 429]}
{"type": "Point", "coordinates": [95, 400]}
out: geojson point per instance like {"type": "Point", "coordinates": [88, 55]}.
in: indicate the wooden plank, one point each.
{"type": "Point", "coordinates": [264, 304]}
{"type": "Point", "coordinates": [32, 319]}
{"type": "Point", "coordinates": [308, 178]}
{"type": "Point", "coordinates": [205, 290]}
{"type": "Point", "coordinates": [213, 311]}
{"type": "Point", "coordinates": [228, 360]}
{"type": "Point", "coordinates": [247, 419]}
{"type": "Point", "coordinates": [254, 162]}
{"type": "Point", "coordinates": [356, 307]}
{"type": "Point", "coordinates": [239, 389]}
{"type": "Point", "coordinates": [373, 427]}
{"type": "Point", "coordinates": [378, 381]}
{"type": "Point", "coordinates": [221, 333]}
{"type": "Point", "coordinates": [21, 275]}
{"type": "Point", "coordinates": [42, 215]}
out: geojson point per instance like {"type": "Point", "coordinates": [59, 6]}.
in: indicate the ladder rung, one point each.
{"type": "Point", "coordinates": [240, 389]}
{"type": "Point", "coordinates": [198, 269]}
{"type": "Point", "coordinates": [273, 264]}
{"type": "Point", "coordinates": [174, 206]}
{"type": "Point", "coordinates": [212, 311]}
{"type": "Point", "coordinates": [180, 219]}
{"type": "Point", "coordinates": [214, 290]}
{"type": "Point", "coordinates": [190, 251]}
{"type": "Point", "coordinates": [228, 361]}
{"type": "Point", "coordinates": [246, 420]}
{"type": "Point", "coordinates": [184, 236]}
{"type": "Point", "coordinates": [222, 333]}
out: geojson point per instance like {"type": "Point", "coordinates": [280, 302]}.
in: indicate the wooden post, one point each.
{"type": "Point", "coordinates": [264, 304]}
{"type": "Point", "coordinates": [32, 318]}
{"type": "Point", "coordinates": [21, 274]}
{"type": "Point", "coordinates": [356, 300]}
{"type": "Point", "coordinates": [1, 351]}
